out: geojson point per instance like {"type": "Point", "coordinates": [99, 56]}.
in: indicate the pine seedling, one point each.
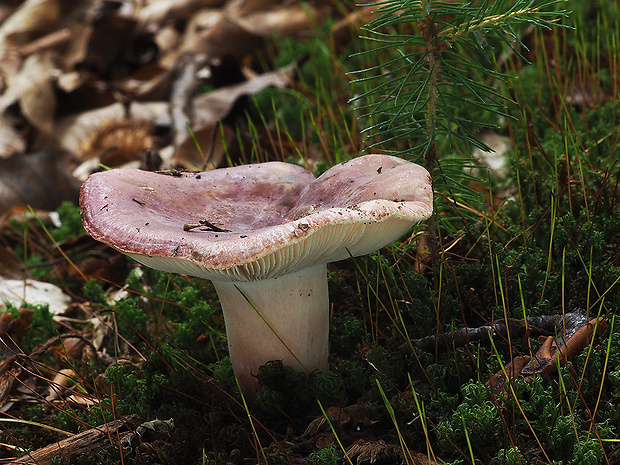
{"type": "Point", "coordinates": [431, 77]}
{"type": "Point", "coordinates": [440, 73]}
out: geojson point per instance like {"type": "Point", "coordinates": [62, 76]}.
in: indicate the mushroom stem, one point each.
{"type": "Point", "coordinates": [284, 318]}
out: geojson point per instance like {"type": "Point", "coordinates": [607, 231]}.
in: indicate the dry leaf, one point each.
{"type": "Point", "coordinates": [217, 104]}
{"type": "Point", "coordinates": [11, 141]}
{"type": "Point", "coordinates": [72, 132]}
{"type": "Point", "coordinates": [162, 11]}
{"type": "Point", "coordinates": [373, 451]}
{"type": "Point", "coordinates": [40, 180]}
{"type": "Point", "coordinates": [349, 26]}
{"type": "Point", "coordinates": [224, 39]}
{"type": "Point", "coordinates": [61, 381]}
{"type": "Point", "coordinates": [16, 291]}
{"type": "Point", "coordinates": [496, 160]}
{"type": "Point", "coordinates": [209, 109]}
{"type": "Point", "coordinates": [32, 19]}
{"type": "Point", "coordinates": [213, 140]}
{"type": "Point", "coordinates": [35, 92]}
{"type": "Point", "coordinates": [10, 264]}
{"type": "Point", "coordinates": [280, 21]}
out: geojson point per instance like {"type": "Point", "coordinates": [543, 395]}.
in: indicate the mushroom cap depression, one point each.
{"type": "Point", "coordinates": [255, 221]}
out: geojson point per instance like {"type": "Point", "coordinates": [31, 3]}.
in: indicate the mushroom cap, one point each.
{"type": "Point", "coordinates": [255, 221]}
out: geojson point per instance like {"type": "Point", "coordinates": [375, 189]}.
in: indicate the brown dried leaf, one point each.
{"type": "Point", "coordinates": [372, 451]}
{"type": "Point", "coordinates": [281, 20]}
{"type": "Point", "coordinates": [216, 105]}
{"type": "Point", "coordinates": [40, 180]}
{"type": "Point", "coordinates": [108, 41]}
{"type": "Point", "coordinates": [336, 415]}
{"type": "Point", "coordinates": [10, 264]}
{"type": "Point", "coordinates": [11, 141]}
{"type": "Point", "coordinates": [212, 140]}
{"type": "Point", "coordinates": [32, 19]}
{"type": "Point", "coordinates": [380, 451]}
{"type": "Point", "coordinates": [161, 11]}
{"type": "Point", "coordinates": [351, 419]}
{"type": "Point", "coordinates": [496, 160]}
{"type": "Point", "coordinates": [61, 381]}
{"type": "Point", "coordinates": [224, 39]}
{"type": "Point", "coordinates": [211, 108]}
{"type": "Point", "coordinates": [72, 133]}
{"type": "Point", "coordinates": [349, 26]}
{"type": "Point", "coordinates": [34, 292]}
{"type": "Point", "coordinates": [77, 49]}
{"type": "Point", "coordinates": [34, 90]}
{"type": "Point", "coordinates": [8, 374]}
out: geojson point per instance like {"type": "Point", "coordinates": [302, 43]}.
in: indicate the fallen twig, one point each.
{"type": "Point", "coordinates": [534, 326]}
{"type": "Point", "coordinates": [555, 351]}
{"type": "Point", "coordinates": [83, 443]}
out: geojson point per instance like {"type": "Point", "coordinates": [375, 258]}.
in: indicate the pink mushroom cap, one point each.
{"type": "Point", "coordinates": [268, 218]}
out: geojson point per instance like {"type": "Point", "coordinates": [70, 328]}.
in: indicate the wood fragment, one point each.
{"type": "Point", "coordinates": [541, 325]}
{"type": "Point", "coordinates": [87, 442]}
{"type": "Point", "coordinates": [555, 351]}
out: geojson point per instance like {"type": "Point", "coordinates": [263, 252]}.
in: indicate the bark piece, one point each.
{"type": "Point", "coordinates": [87, 442]}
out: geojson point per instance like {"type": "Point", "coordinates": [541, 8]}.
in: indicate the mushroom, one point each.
{"type": "Point", "coordinates": [263, 234]}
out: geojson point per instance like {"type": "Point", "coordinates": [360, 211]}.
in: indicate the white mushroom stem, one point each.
{"type": "Point", "coordinates": [284, 318]}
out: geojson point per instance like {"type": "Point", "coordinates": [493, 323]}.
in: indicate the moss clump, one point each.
{"type": "Point", "coordinates": [41, 328]}
{"type": "Point", "coordinates": [131, 319]}
{"type": "Point", "coordinates": [70, 222]}
{"type": "Point", "coordinates": [93, 291]}
{"type": "Point", "coordinates": [475, 421]}
{"type": "Point", "coordinates": [287, 392]}
{"type": "Point", "coordinates": [329, 455]}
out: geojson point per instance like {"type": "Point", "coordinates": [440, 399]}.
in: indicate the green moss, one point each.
{"type": "Point", "coordinates": [479, 417]}
{"type": "Point", "coordinates": [93, 292]}
{"type": "Point", "coordinates": [41, 329]}
{"type": "Point", "coordinates": [133, 389]}
{"type": "Point", "coordinates": [130, 318]}
{"type": "Point", "coordinates": [512, 456]}
{"type": "Point", "coordinates": [70, 222]}
{"type": "Point", "coordinates": [329, 455]}
{"type": "Point", "coordinates": [347, 335]}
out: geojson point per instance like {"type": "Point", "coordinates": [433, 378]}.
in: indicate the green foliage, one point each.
{"type": "Point", "coordinates": [79, 420]}
{"type": "Point", "coordinates": [70, 222]}
{"type": "Point", "coordinates": [93, 292]}
{"type": "Point", "coordinates": [33, 412]}
{"type": "Point", "coordinates": [134, 391]}
{"type": "Point", "coordinates": [512, 456]}
{"type": "Point", "coordinates": [441, 72]}
{"type": "Point", "coordinates": [346, 334]}
{"type": "Point", "coordinates": [477, 415]}
{"type": "Point", "coordinates": [182, 303]}
{"type": "Point", "coordinates": [294, 392]}
{"type": "Point", "coordinates": [329, 455]}
{"type": "Point", "coordinates": [41, 329]}
{"type": "Point", "coordinates": [130, 318]}
{"type": "Point", "coordinates": [224, 375]}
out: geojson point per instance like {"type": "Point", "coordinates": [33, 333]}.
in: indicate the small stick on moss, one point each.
{"type": "Point", "coordinates": [88, 442]}
{"type": "Point", "coordinates": [541, 325]}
